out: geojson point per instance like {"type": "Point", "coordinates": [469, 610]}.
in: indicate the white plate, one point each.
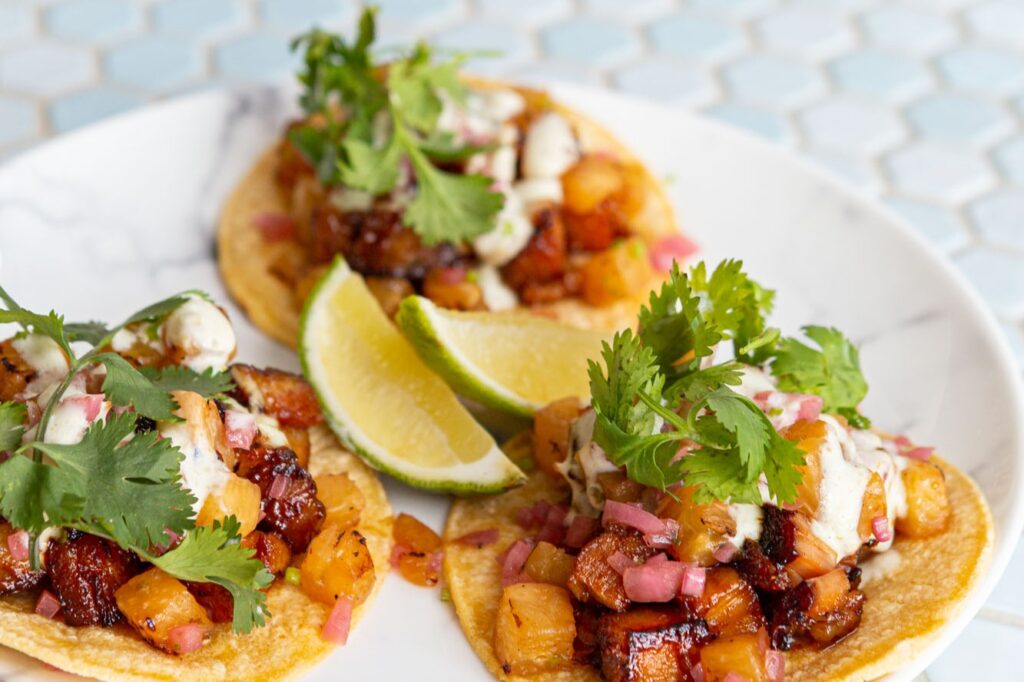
{"type": "Point", "coordinates": [105, 220]}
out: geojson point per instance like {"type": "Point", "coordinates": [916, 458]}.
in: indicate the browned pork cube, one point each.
{"type": "Point", "coordinates": [593, 577]}
{"type": "Point", "coordinates": [729, 604]}
{"type": "Point", "coordinates": [535, 629]}
{"type": "Point", "coordinates": [283, 395]}
{"type": "Point", "coordinates": [86, 572]}
{"type": "Point", "coordinates": [650, 645]}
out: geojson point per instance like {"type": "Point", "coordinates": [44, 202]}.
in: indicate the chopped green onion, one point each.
{"type": "Point", "coordinates": [293, 576]}
{"type": "Point", "coordinates": [445, 594]}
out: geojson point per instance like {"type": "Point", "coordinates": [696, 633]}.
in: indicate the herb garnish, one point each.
{"type": "Point", "coordinates": [363, 119]}
{"type": "Point", "coordinates": [118, 484]}
{"type": "Point", "coordinates": [662, 391]}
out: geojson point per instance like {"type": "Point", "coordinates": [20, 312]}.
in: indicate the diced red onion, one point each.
{"type": "Point", "coordinates": [278, 487]}
{"type": "Point", "coordinates": [880, 528]}
{"type": "Point", "coordinates": [17, 544]}
{"type": "Point", "coordinates": [692, 584]}
{"type": "Point", "coordinates": [479, 538]}
{"type": "Point", "coordinates": [735, 677]}
{"type": "Point", "coordinates": [453, 275]}
{"type": "Point", "coordinates": [674, 247]}
{"type": "Point", "coordinates": [338, 623]}
{"type": "Point", "coordinates": [620, 562]}
{"type": "Point", "coordinates": [919, 453]}
{"type": "Point", "coordinates": [90, 404]}
{"type": "Point", "coordinates": [240, 429]}
{"type": "Point", "coordinates": [775, 665]}
{"type": "Point", "coordinates": [531, 517]}
{"type": "Point", "coordinates": [653, 583]}
{"type": "Point", "coordinates": [512, 567]}
{"type": "Point", "coordinates": [554, 525]}
{"type": "Point", "coordinates": [580, 530]}
{"type": "Point", "coordinates": [631, 516]}
{"type": "Point", "coordinates": [697, 672]}
{"type": "Point", "coordinates": [763, 642]}
{"type": "Point", "coordinates": [810, 408]}
{"type": "Point", "coordinates": [186, 638]}
{"type": "Point", "coordinates": [903, 442]}
{"type": "Point", "coordinates": [665, 539]}
{"type": "Point", "coordinates": [274, 226]}
{"type": "Point", "coordinates": [47, 605]}
{"type": "Point", "coordinates": [658, 558]}
{"type": "Point", "coordinates": [725, 552]}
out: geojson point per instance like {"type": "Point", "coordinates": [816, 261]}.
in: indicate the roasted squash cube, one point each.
{"type": "Point", "coordinates": [337, 564]}
{"type": "Point", "coordinates": [535, 629]}
{"type": "Point", "coordinates": [156, 603]}
{"type": "Point", "coordinates": [729, 604]}
{"type": "Point", "coordinates": [549, 564]}
{"type": "Point", "coordinates": [342, 498]}
{"type": "Point", "coordinates": [741, 654]}
{"type": "Point", "coordinates": [239, 498]}
{"type": "Point", "coordinates": [927, 503]}
{"type": "Point", "coordinates": [551, 433]}
{"type": "Point", "coordinates": [702, 527]}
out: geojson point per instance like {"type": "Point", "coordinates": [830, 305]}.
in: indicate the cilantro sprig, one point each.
{"type": "Point", "coordinates": [667, 412]}
{"type": "Point", "coordinates": [116, 483]}
{"type": "Point", "coordinates": [363, 120]}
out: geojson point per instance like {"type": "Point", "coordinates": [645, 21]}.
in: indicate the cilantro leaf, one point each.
{"type": "Point", "coordinates": [746, 422]}
{"type": "Point", "coordinates": [128, 387]}
{"type": "Point", "coordinates": [214, 555]}
{"type": "Point", "coordinates": [91, 332]}
{"type": "Point", "coordinates": [697, 384]}
{"type": "Point", "coordinates": [12, 425]}
{"type": "Point", "coordinates": [208, 384]}
{"type": "Point", "coordinates": [833, 372]}
{"type": "Point", "coordinates": [719, 475]}
{"type": "Point", "coordinates": [368, 168]}
{"type": "Point", "coordinates": [51, 324]}
{"type": "Point", "coordinates": [161, 309]}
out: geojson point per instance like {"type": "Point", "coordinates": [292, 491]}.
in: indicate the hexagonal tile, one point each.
{"type": "Point", "coordinates": [513, 46]}
{"type": "Point", "coordinates": [667, 80]}
{"type": "Point", "coordinates": [639, 10]}
{"type": "Point", "coordinates": [417, 14]}
{"type": "Point", "coordinates": [774, 81]}
{"type": "Point", "coordinates": [590, 40]}
{"type": "Point", "coordinates": [256, 56]}
{"type": "Point", "coordinates": [17, 20]}
{"type": "Point", "coordinates": [1010, 156]}
{"type": "Point", "coordinates": [940, 225]}
{"type": "Point", "coordinates": [19, 120]}
{"type": "Point", "coordinates": [1000, 218]}
{"type": "Point", "coordinates": [526, 12]}
{"type": "Point", "coordinates": [983, 69]}
{"type": "Point", "coordinates": [154, 63]}
{"type": "Point", "coordinates": [809, 32]}
{"type": "Point", "coordinates": [301, 14]}
{"type": "Point", "coordinates": [764, 123]}
{"type": "Point", "coordinates": [854, 171]}
{"type": "Point", "coordinates": [852, 127]}
{"type": "Point", "coordinates": [998, 276]}
{"type": "Point", "coordinates": [549, 71]}
{"type": "Point", "coordinates": [93, 20]}
{"type": "Point", "coordinates": [908, 29]}
{"type": "Point", "coordinates": [80, 108]}
{"type": "Point", "coordinates": [199, 18]}
{"type": "Point", "coordinates": [46, 68]}
{"type": "Point", "coordinates": [692, 35]}
{"type": "Point", "coordinates": [885, 75]}
{"type": "Point", "coordinates": [998, 20]}
{"type": "Point", "coordinates": [736, 8]}
{"type": "Point", "coordinates": [959, 118]}
{"type": "Point", "coordinates": [943, 173]}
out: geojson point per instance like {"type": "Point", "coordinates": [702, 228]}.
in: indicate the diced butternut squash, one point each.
{"type": "Point", "coordinates": [927, 503]}
{"type": "Point", "coordinates": [617, 486]}
{"type": "Point", "coordinates": [616, 273]}
{"type": "Point", "coordinates": [342, 498]}
{"type": "Point", "coordinates": [873, 506]}
{"type": "Point", "coordinates": [551, 433]}
{"type": "Point", "coordinates": [814, 557]}
{"type": "Point", "coordinates": [156, 603]}
{"type": "Point", "coordinates": [298, 441]}
{"type": "Point", "coordinates": [239, 498]}
{"type": "Point", "coordinates": [808, 436]}
{"type": "Point", "coordinates": [729, 604]}
{"type": "Point", "coordinates": [535, 629]}
{"type": "Point", "coordinates": [590, 181]}
{"type": "Point", "coordinates": [828, 592]}
{"type": "Point", "coordinates": [549, 564]}
{"type": "Point", "coordinates": [702, 527]}
{"type": "Point", "coordinates": [741, 654]}
{"type": "Point", "coordinates": [337, 564]}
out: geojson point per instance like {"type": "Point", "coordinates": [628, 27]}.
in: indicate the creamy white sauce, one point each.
{"type": "Point", "coordinates": [43, 355]}
{"type": "Point", "coordinates": [202, 470]}
{"type": "Point", "coordinates": [512, 231]}
{"type": "Point", "coordinates": [754, 381]}
{"type": "Point", "coordinates": [550, 147]}
{"type": "Point", "coordinates": [843, 482]}
{"type": "Point", "coordinates": [497, 295]}
{"type": "Point", "coordinates": [69, 421]}
{"type": "Point", "coordinates": [879, 566]}
{"type": "Point", "coordinates": [270, 431]}
{"type": "Point", "coordinates": [539, 191]}
{"type": "Point", "coordinates": [202, 332]}
{"type": "Point", "coordinates": [501, 105]}
{"type": "Point", "coordinates": [127, 338]}
{"type": "Point", "coordinates": [748, 523]}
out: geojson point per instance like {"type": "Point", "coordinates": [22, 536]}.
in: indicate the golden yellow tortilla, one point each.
{"type": "Point", "coordinates": [288, 645]}
{"type": "Point", "coordinates": [246, 258]}
{"type": "Point", "coordinates": [904, 613]}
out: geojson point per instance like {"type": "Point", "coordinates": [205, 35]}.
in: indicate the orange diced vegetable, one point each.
{"type": "Point", "coordinates": [740, 654]}
{"type": "Point", "coordinates": [729, 604]}
{"type": "Point", "coordinates": [808, 436]}
{"type": "Point", "coordinates": [155, 603]}
{"type": "Point", "coordinates": [590, 181]}
{"type": "Point", "coordinates": [927, 503]}
{"type": "Point", "coordinates": [619, 487]}
{"type": "Point", "coordinates": [551, 433]}
{"type": "Point", "coordinates": [702, 527]}
{"type": "Point", "coordinates": [814, 557]}
{"type": "Point", "coordinates": [337, 564]}
{"type": "Point", "coordinates": [616, 273]}
{"type": "Point", "coordinates": [418, 549]}
{"type": "Point", "coordinates": [828, 592]}
{"type": "Point", "coordinates": [342, 498]}
{"type": "Point", "coordinates": [873, 506]}
{"type": "Point", "coordinates": [239, 498]}
{"type": "Point", "coordinates": [535, 629]}
{"type": "Point", "coordinates": [548, 564]}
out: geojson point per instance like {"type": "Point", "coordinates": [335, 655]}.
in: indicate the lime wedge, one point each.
{"type": "Point", "coordinates": [383, 402]}
{"type": "Point", "coordinates": [514, 363]}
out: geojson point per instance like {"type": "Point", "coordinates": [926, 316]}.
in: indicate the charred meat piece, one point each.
{"type": "Point", "coordinates": [544, 257]}
{"type": "Point", "coordinates": [283, 395]}
{"type": "Point", "coordinates": [650, 645]}
{"type": "Point", "coordinates": [823, 610]}
{"type": "Point", "coordinates": [217, 601]}
{"type": "Point", "coordinates": [586, 647]}
{"type": "Point", "coordinates": [778, 534]}
{"type": "Point", "coordinates": [15, 576]}
{"type": "Point", "coordinates": [295, 512]}
{"type": "Point", "coordinates": [85, 572]}
{"type": "Point", "coordinates": [593, 578]}
{"type": "Point", "coordinates": [15, 373]}
{"type": "Point", "coordinates": [375, 242]}
{"type": "Point", "coordinates": [761, 571]}
{"type": "Point", "coordinates": [729, 604]}
{"type": "Point", "coordinates": [270, 549]}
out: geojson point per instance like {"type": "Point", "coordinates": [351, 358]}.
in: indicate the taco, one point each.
{"type": "Point", "coordinates": [477, 194]}
{"type": "Point", "coordinates": [166, 515]}
{"type": "Point", "coordinates": [718, 521]}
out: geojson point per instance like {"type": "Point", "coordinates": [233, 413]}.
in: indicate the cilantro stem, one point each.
{"type": "Point", "coordinates": [666, 414]}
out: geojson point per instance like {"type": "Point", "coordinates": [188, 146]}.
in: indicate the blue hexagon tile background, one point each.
{"type": "Point", "coordinates": [919, 103]}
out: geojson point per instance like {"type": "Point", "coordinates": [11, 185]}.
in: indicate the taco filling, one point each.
{"type": "Point", "coordinates": [724, 504]}
{"type": "Point", "coordinates": [146, 480]}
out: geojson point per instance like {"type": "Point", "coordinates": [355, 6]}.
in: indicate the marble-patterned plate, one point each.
{"type": "Point", "coordinates": [112, 217]}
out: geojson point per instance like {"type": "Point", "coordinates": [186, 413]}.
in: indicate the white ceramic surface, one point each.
{"type": "Point", "coordinates": [105, 220]}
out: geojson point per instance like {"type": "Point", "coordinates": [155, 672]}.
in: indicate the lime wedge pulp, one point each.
{"type": "Point", "coordinates": [383, 402]}
{"type": "Point", "coordinates": [515, 363]}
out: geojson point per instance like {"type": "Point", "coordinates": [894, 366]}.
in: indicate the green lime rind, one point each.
{"type": "Point", "coordinates": [418, 319]}
{"type": "Point", "coordinates": [492, 473]}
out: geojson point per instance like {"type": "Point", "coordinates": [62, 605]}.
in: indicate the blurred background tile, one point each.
{"type": "Point", "coordinates": [19, 119]}
{"type": "Point", "coordinates": [938, 224]}
{"type": "Point", "coordinates": [154, 63]}
{"type": "Point", "coordinates": [781, 82]}
{"type": "Point", "coordinates": [697, 36]}
{"type": "Point", "coordinates": [79, 108]}
{"type": "Point", "coordinates": [906, 28]}
{"type": "Point", "coordinates": [940, 172]}
{"type": "Point", "coordinates": [998, 217]}
{"type": "Point", "coordinates": [96, 20]}
{"type": "Point", "coordinates": [879, 74]}
{"type": "Point", "coordinates": [591, 40]}
{"type": "Point", "coordinates": [46, 68]}
{"type": "Point", "coordinates": [199, 18]}
{"type": "Point", "coordinates": [17, 21]}
{"type": "Point", "coordinates": [999, 279]}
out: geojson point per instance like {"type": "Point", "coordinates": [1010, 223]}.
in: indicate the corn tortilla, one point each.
{"type": "Point", "coordinates": [289, 644]}
{"type": "Point", "coordinates": [904, 613]}
{"type": "Point", "coordinates": [246, 258]}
